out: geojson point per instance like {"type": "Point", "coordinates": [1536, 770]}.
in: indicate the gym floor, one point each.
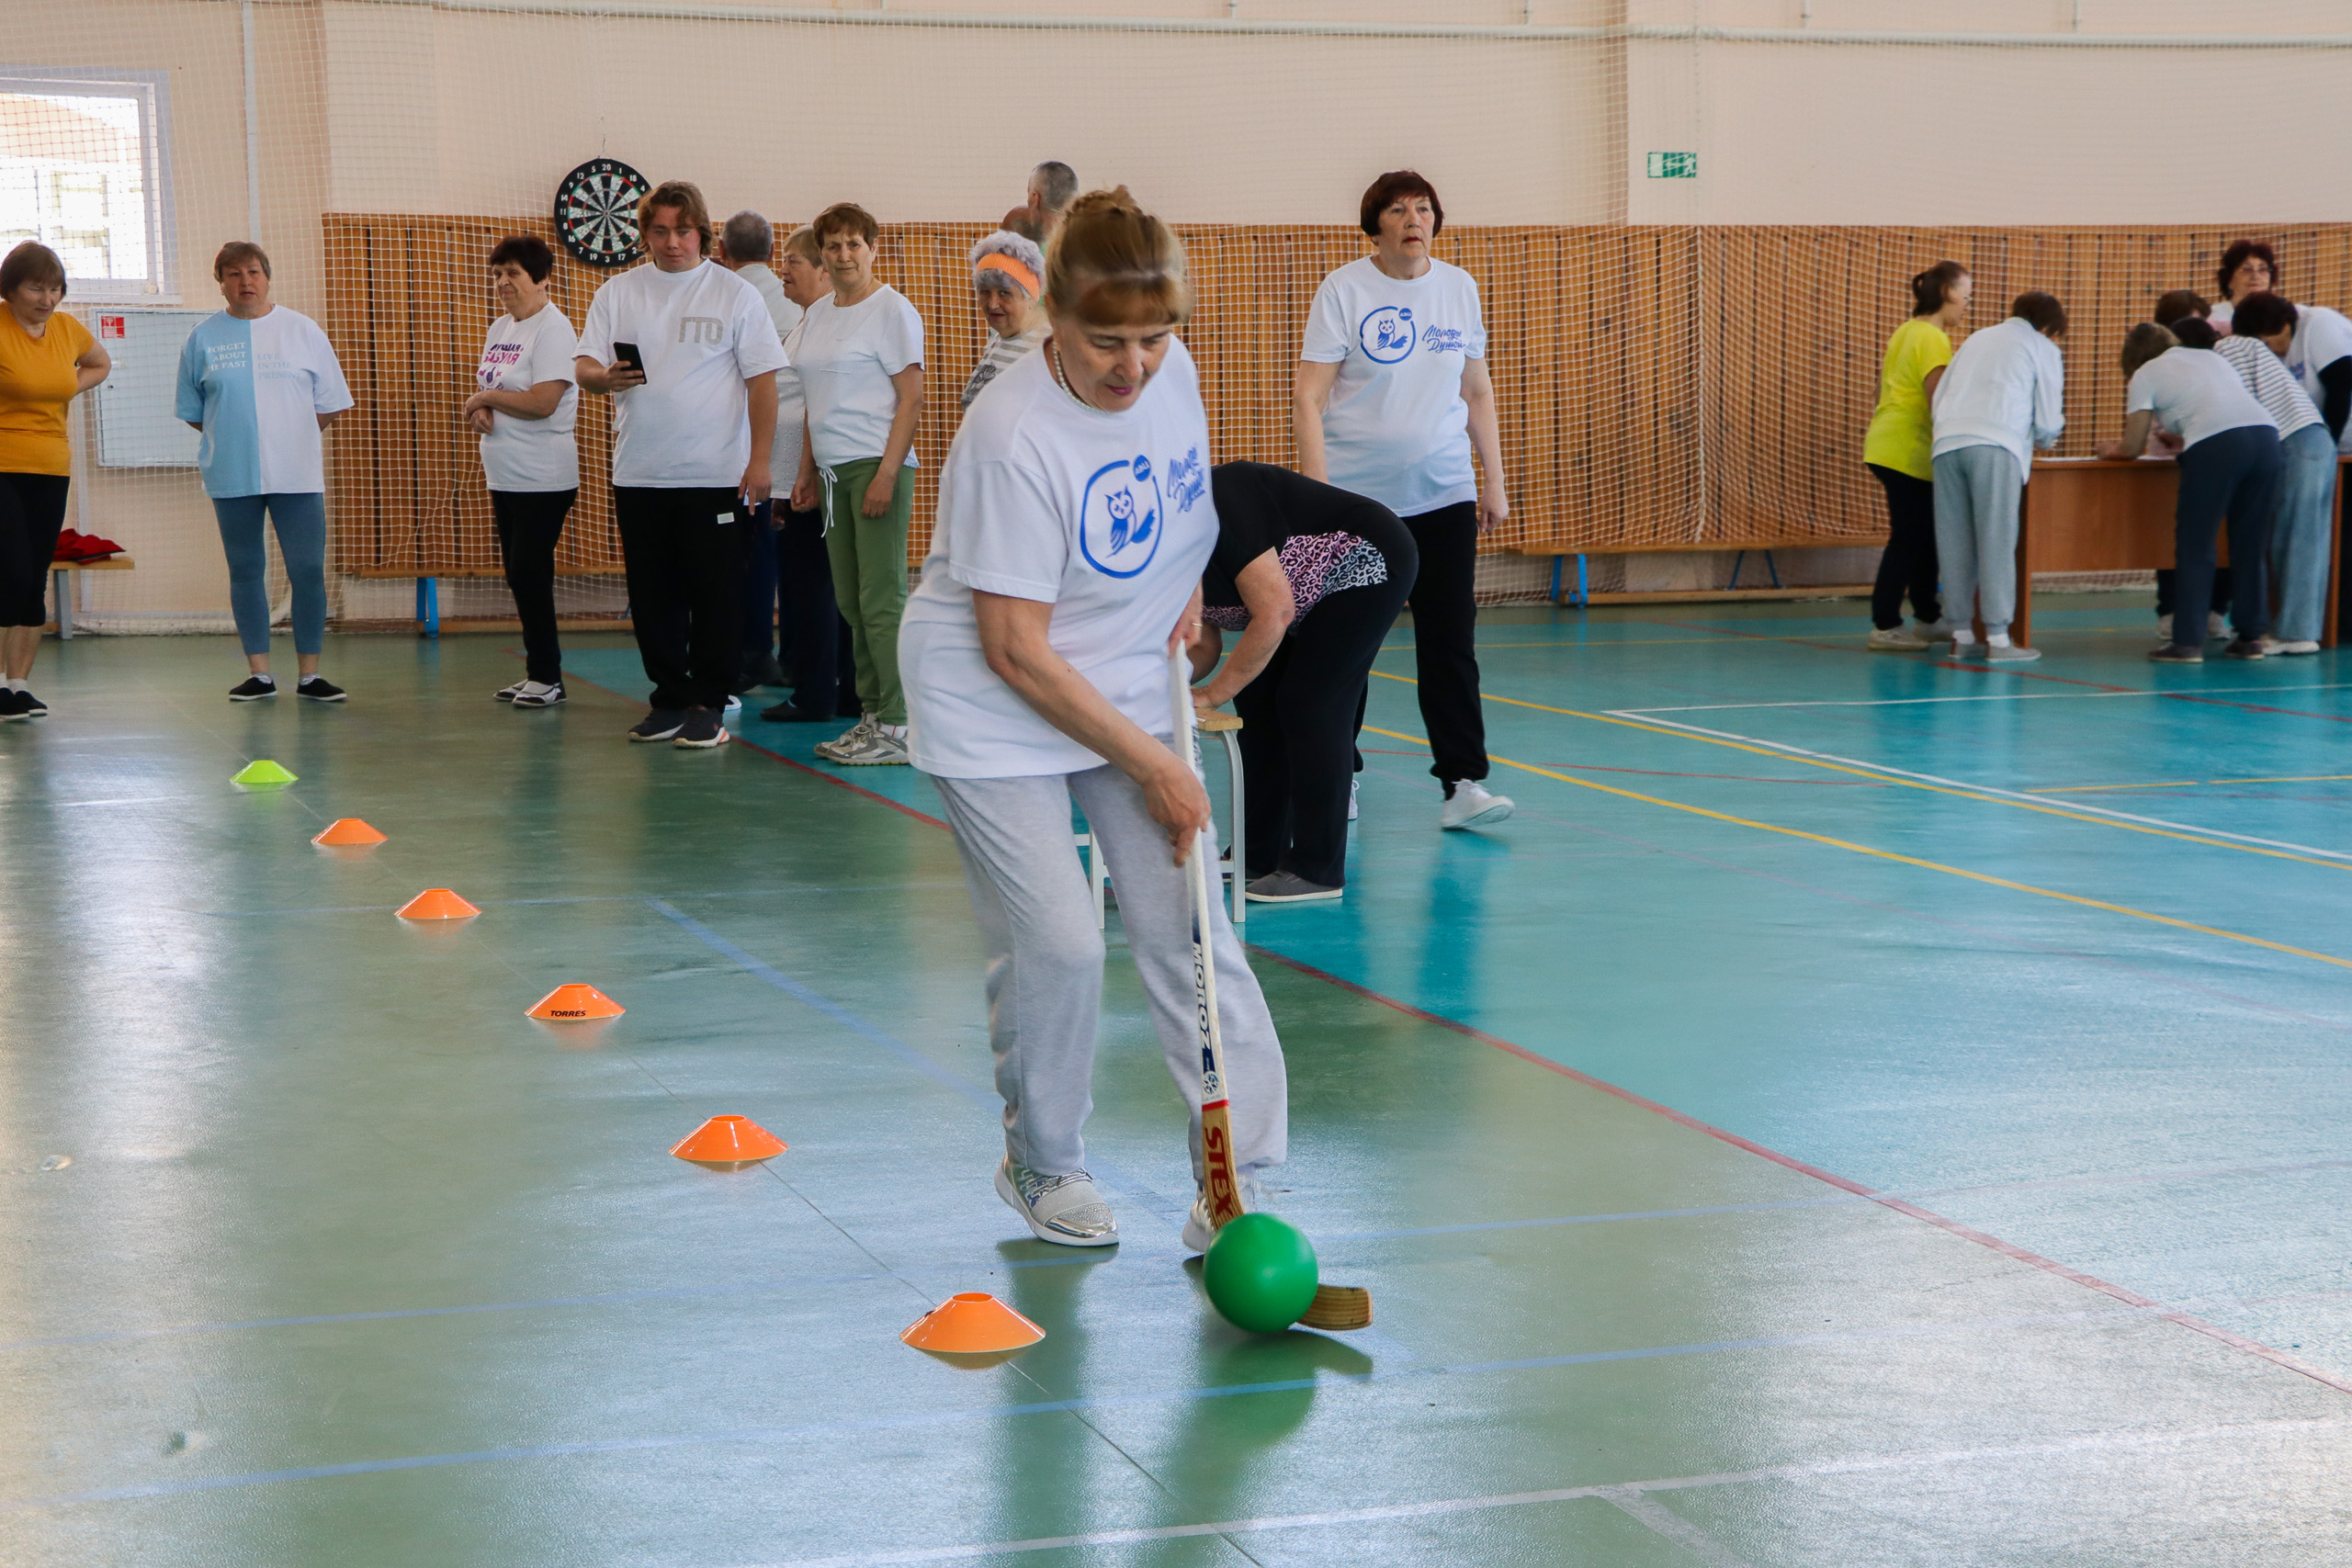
{"type": "Point", "coordinates": [1862, 1111]}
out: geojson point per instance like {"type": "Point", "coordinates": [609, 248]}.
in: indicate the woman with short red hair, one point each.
{"type": "Point", "coordinates": [1390, 398]}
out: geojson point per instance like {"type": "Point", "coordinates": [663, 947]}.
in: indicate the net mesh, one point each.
{"type": "Point", "coordinates": [1692, 240]}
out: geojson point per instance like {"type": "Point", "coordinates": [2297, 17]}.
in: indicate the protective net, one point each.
{"type": "Point", "coordinates": [1692, 237]}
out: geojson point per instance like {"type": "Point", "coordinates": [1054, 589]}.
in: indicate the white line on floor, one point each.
{"type": "Point", "coordinates": [1989, 697]}
{"type": "Point", "coordinates": [1641, 716]}
{"type": "Point", "coordinates": [1615, 1492]}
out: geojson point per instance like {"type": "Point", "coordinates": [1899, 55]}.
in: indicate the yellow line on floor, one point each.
{"type": "Point", "coordinates": [1901, 858]}
{"type": "Point", "coordinates": [1962, 794]}
{"type": "Point", "coordinates": [2188, 783]}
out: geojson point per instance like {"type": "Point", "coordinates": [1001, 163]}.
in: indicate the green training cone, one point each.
{"type": "Point", "coordinates": [264, 772]}
{"type": "Point", "coordinates": [1260, 1273]}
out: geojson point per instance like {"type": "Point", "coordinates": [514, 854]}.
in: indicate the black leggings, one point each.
{"type": "Point", "coordinates": [1908, 564]}
{"type": "Point", "coordinates": [530, 522]}
{"type": "Point", "coordinates": [1298, 721]}
{"type": "Point", "coordinates": [1445, 639]}
{"type": "Point", "coordinates": [32, 512]}
{"type": "Point", "coordinates": [824, 676]}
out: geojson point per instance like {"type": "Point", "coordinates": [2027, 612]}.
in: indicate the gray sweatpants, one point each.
{"type": "Point", "coordinates": [1045, 984]}
{"type": "Point", "coordinates": [1977, 492]}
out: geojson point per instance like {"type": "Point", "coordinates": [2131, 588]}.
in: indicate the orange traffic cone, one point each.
{"type": "Point", "coordinates": [576, 1001]}
{"type": "Point", "coordinates": [972, 1323]}
{"type": "Point", "coordinates": [437, 904]}
{"type": "Point", "coordinates": [348, 832]}
{"type": "Point", "coordinates": [729, 1140]}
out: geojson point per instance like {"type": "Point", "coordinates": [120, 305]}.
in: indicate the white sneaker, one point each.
{"type": "Point", "coordinates": [2216, 624]}
{"type": "Point", "coordinates": [2164, 627]}
{"type": "Point", "coordinates": [536, 695]}
{"type": "Point", "coordinates": [1472, 806]}
{"type": "Point", "coordinates": [1065, 1210]}
{"type": "Point", "coordinates": [1198, 1232]}
{"type": "Point", "coordinates": [2272, 645]}
{"type": "Point", "coordinates": [1933, 631]}
{"type": "Point", "coordinates": [2009, 653]}
{"type": "Point", "coordinates": [879, 749]}
{"type": "Point", "coordinates": [508, 693]}
{"type": "Point", "coordinates": [857, 735]}
{"type": "Point", "coordinates": [1351, 800]}
{"type": "Point", "coordinates": [1895, 640]}
{"type": "Point", "coordinates": [734, 705]}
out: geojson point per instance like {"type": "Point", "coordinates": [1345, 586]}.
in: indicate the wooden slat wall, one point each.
{"type": "Point", "coordinates": [1662, 388]}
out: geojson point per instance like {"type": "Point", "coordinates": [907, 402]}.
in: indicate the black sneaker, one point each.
{"type": "Point", "coordinates": [792, 713]}
{"type": "Point", "coordinates": [252, 688]}
{"type": "Point", "coordinates": [661, 724]}
{"type": "Point", "coordinates": [34, 706]}
{"type": "Point", "coordinates": [319, 689]}
{"type": "Point", "coordinates": [2245, 648]}
{"type": "Point", "coordinates": [702, 730]}
{"type": "Point", "coordinates": [12, 705]}
{"type": "Point", "coordinates": [2179, 653]}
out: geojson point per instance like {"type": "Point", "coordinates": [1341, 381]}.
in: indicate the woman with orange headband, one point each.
{"type": "Point", "coordinates": [1006, 269]}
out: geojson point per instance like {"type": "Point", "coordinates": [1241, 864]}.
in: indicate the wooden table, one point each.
{"type": "Point", "coordinates": [2096, 515]}
{"type": "Point", "coordinates": [63, 584]}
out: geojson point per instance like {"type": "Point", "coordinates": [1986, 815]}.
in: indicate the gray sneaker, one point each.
{"type": "Point", "coordinates": [2011, 654]}
{"type": "Point", "coordinates": [1288, 887]}
{"type": "Point", "coordinates": [857, 735]}
{"type": "Point", "coordinates": [1199, 1233]}
{"type": "Point", "coordinates": [881, 749]}
{"type": "Point", "coordinates": [1065, 1210]}
{"type": "Point", "coordinates": [1895, 640]}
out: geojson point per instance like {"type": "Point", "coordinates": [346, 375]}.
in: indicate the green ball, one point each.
{"type": "Point", "coordinates": [1260, 1273]}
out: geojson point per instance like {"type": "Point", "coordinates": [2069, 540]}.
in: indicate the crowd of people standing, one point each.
{"type": "Point", "coordinates": [2252, 395]}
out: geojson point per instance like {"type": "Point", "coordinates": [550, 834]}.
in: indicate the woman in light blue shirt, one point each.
{"type": "Point", "coordinates": [262, 383]}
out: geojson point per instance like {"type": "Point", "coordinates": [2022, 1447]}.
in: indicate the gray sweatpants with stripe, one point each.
{"type": "Point", "coordinates": [1044, 982]}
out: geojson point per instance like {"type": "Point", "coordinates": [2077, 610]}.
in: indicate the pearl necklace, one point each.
{"type": "Point", "coordinates": [1053, 364]}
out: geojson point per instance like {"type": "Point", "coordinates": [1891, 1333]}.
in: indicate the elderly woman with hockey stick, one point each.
{"type": "Point", "coordinates": [1074, 520]}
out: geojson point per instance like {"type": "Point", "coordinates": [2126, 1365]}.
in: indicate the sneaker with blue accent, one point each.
{"type": "Point", "coordinates": [1065, 1210]}
{"type": "Point", "coordinates": [1199, 1232]}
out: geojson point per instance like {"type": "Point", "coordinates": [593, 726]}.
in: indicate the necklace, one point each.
{"type": "Point", "coordinates": [1053, 364]}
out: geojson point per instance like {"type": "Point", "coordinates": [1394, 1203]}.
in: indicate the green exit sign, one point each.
{"type": "Point", "coordinates": [1674, 165]}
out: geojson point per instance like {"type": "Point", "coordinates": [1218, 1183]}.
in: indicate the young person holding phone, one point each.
{"type": "Point", "coordinates": [688, 355]}
{"type": "Point", "coordinates": [528, 401]}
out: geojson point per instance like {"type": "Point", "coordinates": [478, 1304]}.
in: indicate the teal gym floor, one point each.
{"type": "Point", "coordinates": [1862, 1111]}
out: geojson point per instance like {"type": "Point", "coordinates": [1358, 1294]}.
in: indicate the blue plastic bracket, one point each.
{"type": "Point", "coordinates": [428, 606]}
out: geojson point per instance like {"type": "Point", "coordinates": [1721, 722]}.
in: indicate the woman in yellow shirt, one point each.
{"type": "Point", "coordinates": [1899, 450]}
{"type": "Point", "coordinates": [46, 361]}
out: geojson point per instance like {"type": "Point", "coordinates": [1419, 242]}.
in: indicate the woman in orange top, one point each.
{"type": "Point", "coordinates": [46, 361]}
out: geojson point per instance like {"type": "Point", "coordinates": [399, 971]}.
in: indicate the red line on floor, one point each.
{"type": "Point", "coordinates": [1967, 1233]}
{"type": "Point", "coordinates": [1913, 1211]}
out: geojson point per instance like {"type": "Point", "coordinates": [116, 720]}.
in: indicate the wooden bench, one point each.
{"type": "Point", "coordinates": [1580, 594]}
{"type": "Point", "coordinates": [62, 586]}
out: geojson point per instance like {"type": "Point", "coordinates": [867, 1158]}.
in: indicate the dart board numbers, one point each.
{"type": "Point", "coordinates": [596, 212]}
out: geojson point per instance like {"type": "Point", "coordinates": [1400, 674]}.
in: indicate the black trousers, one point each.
{"type": "Point", "coordinates": [530, 523]}
{"type": "Point", "coordinates": [824, 676]}
{"type": "Point", "coordinates": [2235, 473]}
{"type": "Point", "coordinates": [760, 622]}
{"type": "Point", "coordinates": [1446, 634]}
{"type": "Point", "coordinates": [32, 514]}
{"type": "Point", "coordinates": [684, 551]}
{"type": "Point", "coordinates": [1298, 725]}
{"type": "Point", "coordinates": [1908, 564]}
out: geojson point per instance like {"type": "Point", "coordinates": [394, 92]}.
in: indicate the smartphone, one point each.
{"type": "Point", "coordinates": [627, 354]}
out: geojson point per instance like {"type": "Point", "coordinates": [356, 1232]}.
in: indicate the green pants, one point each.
{"type": "Point", "coordinates": [869, 561]}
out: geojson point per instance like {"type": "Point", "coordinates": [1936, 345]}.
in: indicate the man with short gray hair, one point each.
{"type": "Point", "coordinates": [1052, 188]}
{"type": "Point", "coordinates": [746, 245]}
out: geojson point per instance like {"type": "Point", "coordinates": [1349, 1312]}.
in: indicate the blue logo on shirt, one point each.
{"type": "Point", "coordinates": [1386, 334]}
{"type": "Point", "coordinates": [1119, 525]}
{"type": "Point", "coordinates": [1187, 480]}
{"type": "Point", "coordinates": [1445, 339]}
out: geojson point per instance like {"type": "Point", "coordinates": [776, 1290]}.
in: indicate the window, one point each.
{"type": "Point", "coordinates": [83, 170]}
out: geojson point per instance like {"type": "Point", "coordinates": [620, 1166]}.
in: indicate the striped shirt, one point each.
{"type": "Point", "coordinates": [2273, 385]}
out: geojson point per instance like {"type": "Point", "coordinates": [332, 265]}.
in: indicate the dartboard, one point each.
{"type": "Point", "coordinates": [595, 211]}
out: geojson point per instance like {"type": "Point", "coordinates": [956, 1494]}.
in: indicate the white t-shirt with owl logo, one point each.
{"type": "Point", "coordinates": [1396, 428]}
{"type": "Point", "coordinates": [1105, 516]}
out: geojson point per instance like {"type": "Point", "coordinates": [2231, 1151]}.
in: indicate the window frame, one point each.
{"type": "Point", "coordinates": [151, 90]}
